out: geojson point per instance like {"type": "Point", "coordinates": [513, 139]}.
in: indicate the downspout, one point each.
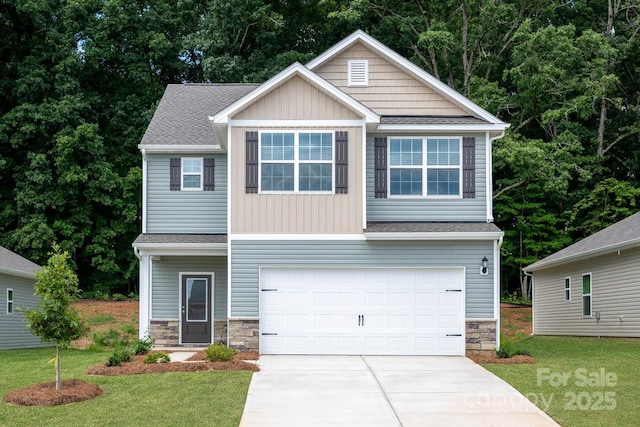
{"type": "Point", "coordinates": [533, 318]}
{"type": "Point", "coordinates": [489, 173]}
{"type": "Point", "coordinates": [496, 286]}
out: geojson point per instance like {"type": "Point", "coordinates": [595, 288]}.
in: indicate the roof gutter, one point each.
{"type": "Point", "coordinates": [487, 235]}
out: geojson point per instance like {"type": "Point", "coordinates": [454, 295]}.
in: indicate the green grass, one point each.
{"type": "Point", "coordinates": [171, 399]}
{"type": "Point", "coordinates": [582, 398]}
{"type": "Point", "coordinates": [100, 319]}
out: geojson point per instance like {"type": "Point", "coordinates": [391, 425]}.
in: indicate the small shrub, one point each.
{"type": "Point", "coordinates": [133, 296]}
{"type": "Point", "coordinates": [142, 346]}
{"type": "Point", "coordinates": [219, 352]}
{"type": "Point", "coordinates": [507, 350]}
{"type": "Point", "coordinates": [157, 358]}
{"type": "Point", "coordinates": [118, 297]}
{"type": "Point", "coordinates": [119, 355]}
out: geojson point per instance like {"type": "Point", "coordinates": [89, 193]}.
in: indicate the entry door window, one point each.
{"type": "Point", "coordinates": [197, 309]}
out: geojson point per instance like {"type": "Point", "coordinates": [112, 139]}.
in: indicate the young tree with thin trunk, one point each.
{"type": "Point", "coordinates": [54, 320]}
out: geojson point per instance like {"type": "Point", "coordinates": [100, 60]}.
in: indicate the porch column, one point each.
{"type": "Point", "coordinates": [145, 296]}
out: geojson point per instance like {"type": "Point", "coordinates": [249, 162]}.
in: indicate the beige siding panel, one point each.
{"type": "Point", "coordinates": [615, 292]}
{"type": "Point", "coordinates": [297, 213]}
{"type": "Point", "coordinates": [296, 99]}
{"type": "Point", "coordinates": [391, 91]}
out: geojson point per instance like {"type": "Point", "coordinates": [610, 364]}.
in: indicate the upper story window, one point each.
{"type": "Point", "coordinates": [9, 301]}
{"type": "Point", "coordinates": [567, 289]}
{"type": "Point", "coordinates": [358, 72]}
{"type": "Point", "coordinates": [296, 161]}
{"type": "Point", "coordinates": [191, 173]}
{"type": "Point", "coordinates": [425, 167]}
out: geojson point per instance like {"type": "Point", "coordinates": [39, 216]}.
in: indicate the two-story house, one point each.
{"type": "Point", "coordinates": [341, 207]}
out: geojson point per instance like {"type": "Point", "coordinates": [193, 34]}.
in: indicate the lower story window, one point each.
{"type": "Point", "coordinates": [9, 301]}
{"type": "Point", "coordinates": [586, 295]}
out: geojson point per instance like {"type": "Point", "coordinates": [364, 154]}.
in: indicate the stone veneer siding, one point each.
{"type": "Point", "coordinates": [167, 332]}
{"type": "Point", "coordinates": [244, 334]}
{"type": "Point", "coordinates": [481, 336]}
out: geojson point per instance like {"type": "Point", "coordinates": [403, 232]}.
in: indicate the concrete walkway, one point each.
{"type": "Point", "coordinates": [383, 391]}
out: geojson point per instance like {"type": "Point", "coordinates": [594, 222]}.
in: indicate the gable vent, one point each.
{"type": "Point", "coordinates": [358, 73]}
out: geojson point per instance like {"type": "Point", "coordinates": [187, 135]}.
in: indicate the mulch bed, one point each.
{"type": "Point", "coordinates": [495, 360]}
{"type": "Point", "coordinates": [196, 363]}
{"type": "Point", "coordinates": [47, 395]}
{"type": "Point", "coordinates": [77, 391]}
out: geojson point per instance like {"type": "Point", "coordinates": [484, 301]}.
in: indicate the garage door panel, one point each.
{"type": "Point", "coordinates": [362, 311]}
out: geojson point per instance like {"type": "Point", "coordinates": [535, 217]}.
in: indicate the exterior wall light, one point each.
{"type": "Point", "coordinates": [484, 270]}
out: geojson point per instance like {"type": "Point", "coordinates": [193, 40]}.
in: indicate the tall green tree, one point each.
{"type": "Point", "coordinates": [54, 320]}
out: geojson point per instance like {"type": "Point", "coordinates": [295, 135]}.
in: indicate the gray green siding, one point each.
{"type": "Point", "coordinates": [248, 256]}
{"type": "Point", "coordinates": [196, 212]}
{"type": "Point", "coordinates": [615, 292]}
{"type": "Point", "coordinates": [165, 286]}
{"type": "Point", "coordinates": [13, 327]}
{"type": "Point", "coordinates": [429, 209]}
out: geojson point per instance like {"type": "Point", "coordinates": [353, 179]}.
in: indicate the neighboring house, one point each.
{"type": "Point", "coordinates": [17, 277]}
{"type": "Point", "coordinates": [595, 278]}
{"type": "Point", "coordinates": [341, 207]}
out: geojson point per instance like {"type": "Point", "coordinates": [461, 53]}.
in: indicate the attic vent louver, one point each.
{"type": "Point", "coordinates": [358, 72]}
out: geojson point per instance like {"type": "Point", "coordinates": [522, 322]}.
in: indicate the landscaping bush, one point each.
{"type": "Point", "coordinates": [119, 355]}
{"type": "Point", "coordinates": [142, 346]}
{"type": "Point", "coordinates": [157, 358]}
{"type": "Point", "coordinates": [507, 350]}
{"type": "Point", "coordinates": [219, 352]}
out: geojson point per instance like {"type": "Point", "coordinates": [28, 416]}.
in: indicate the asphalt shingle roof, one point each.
{"type": "Point", "coordinates": [182, 116]}
{"type": "Point", "coordinates": [431, 227]}
{"type": "Point", "coordinates": [431, 120]}
{"type": "Point", "coordinates": [12, 261]}
{"type": "Point", "coordinates": [622, 233]}
{"type": "Point", "coordinates": [180, 239]}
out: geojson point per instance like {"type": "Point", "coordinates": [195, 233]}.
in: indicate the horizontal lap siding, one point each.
{"type": "Point", "coordinates": [248, 256]}
{"type": "Point", "coordinates": [430, 208]}
{"type": "Point", "coordinates": [391, 91]}
{"type": "Point", "coordinates": [13, 327]}
{"type": "Point", "coordinates": [166, 284]}
{"type": "Point", "coordinates": [196, 212]}
{"type": "Point", "coordinates": [615, 284]}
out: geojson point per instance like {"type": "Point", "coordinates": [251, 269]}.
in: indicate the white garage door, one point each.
{"type": "Point", "coordinates": [397, 311]}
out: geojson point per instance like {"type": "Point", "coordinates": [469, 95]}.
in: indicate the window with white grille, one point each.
{"type": "Point", "coordinates": [358, 73]}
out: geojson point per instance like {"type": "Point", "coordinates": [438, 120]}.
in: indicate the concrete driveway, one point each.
{"type": "Point", "coordinates": [383, 391]}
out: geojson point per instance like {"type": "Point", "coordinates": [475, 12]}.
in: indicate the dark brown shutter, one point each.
{"type": "Point", "coordinates": [175, 173]}
{"type": "Point", "coordinates": [342, 151]}
{"type": "Point", "coordinates": [468, 168]}
{"type": "Point", "coordinates": [251, 179]}
{"type": "Point", "coordinates": [208, 169]}
{"type": "Point", "coordinates": [380, 168]}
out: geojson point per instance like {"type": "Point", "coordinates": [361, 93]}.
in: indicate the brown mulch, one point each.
{"type": "Point", "coordinates": [47, 395]}
{"type": "Point", "coordinates": [495, 360]}
{"type": "Point", "coordinates": [196, 363]}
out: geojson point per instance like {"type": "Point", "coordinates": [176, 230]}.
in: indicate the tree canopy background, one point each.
{"type": "Point", "coordinates": [80, 80]}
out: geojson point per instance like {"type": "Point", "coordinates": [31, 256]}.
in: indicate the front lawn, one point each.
{"type": "Point", "coordinates": [172, 399]}
{"type": "Point", "coordinates": [580, 381]}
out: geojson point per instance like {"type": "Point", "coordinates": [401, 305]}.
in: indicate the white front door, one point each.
{"type": "Point", "coordinates": [395, 311]}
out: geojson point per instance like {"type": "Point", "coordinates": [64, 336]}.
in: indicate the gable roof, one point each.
{"type": "Point", "coordinates": [623, 234]}
{"type": "Point", "coordinates": [408, 66]}
{"type": "Point", "coordinates": [296, 69]}
{"type": "Point", "coordinates": [15, 265]}
{"type": "Point", "coordinates": [181, 118]}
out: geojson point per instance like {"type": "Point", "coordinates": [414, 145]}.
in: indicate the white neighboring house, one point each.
{"type": "Point", "coordinates": [592, 287]}
{"type": "Point", "coordinates": [17, 278]}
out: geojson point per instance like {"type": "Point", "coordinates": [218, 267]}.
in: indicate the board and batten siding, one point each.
{"type": "Point", "coordinates": [399, 208]}
{"type": "Point", "coordinates": [185, 212]}
{"type": "Point", "coordinates": [296, 99]}
{"type": "Point", "coordinates": [248, 256]}
{"type": "Point", "coordinates": [13, 327]}
{"type": "Point", "coordinates": [299, 212]}
{"type": "Point", "coordinates": [615, 292]}
{"type": "Point", "coordinates": [165, 288]}
{"type": "Point", "coordinates": [390, 91]}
